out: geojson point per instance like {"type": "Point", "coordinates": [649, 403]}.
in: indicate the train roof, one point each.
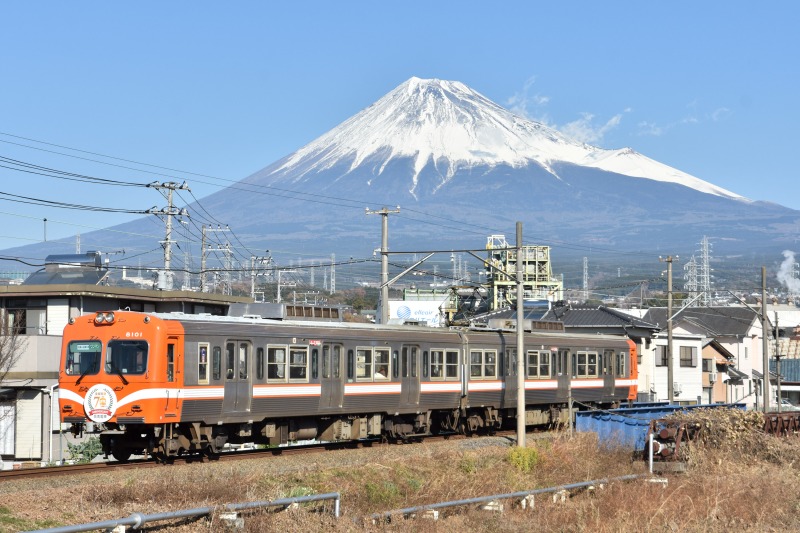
{"type": "Point", "coordinates": [356, 326]}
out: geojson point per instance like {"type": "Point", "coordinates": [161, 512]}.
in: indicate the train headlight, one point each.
{"type": "Point", "coordinates": [104, 318]}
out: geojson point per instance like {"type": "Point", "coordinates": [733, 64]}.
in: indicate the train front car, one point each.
{"type": "Point", "coordinates": [120, 376]}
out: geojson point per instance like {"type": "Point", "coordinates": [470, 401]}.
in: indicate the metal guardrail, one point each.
{"type": "Point", "coordinates": [137, 520]}
{"type": "Point", "coordinates": [486, 499]}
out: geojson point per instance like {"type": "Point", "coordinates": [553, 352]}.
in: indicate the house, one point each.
{"type": "Point", "coordinates": [737, 330]}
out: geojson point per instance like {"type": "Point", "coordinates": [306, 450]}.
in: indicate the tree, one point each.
{"type": "Point", "coordinates": [12, 342]}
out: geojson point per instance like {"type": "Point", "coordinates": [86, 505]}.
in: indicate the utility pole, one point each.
{"type": "Point", "coordinates": [169, 211]}
{"type": "Point", "coordinates": [670, 363]}
{"type": "Point", "coordinates": [778, 361]}
{"type": "Point", "coordinates": [333, 273]}
{"type": "Point", "coordinates": [384, 259]}
{"type": "Point", "coordinates": [203, 287]}
{"type": "Point", "coordinates": [520, 344]}
{"type": "Point", "coordinates": [764, 339]}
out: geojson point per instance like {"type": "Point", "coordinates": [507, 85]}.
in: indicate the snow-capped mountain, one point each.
{"type": "Point", "coordinates": [462, 168]}
{"type": "Point", "coordinates": [452, 127]}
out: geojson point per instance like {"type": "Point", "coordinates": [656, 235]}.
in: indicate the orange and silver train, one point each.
{"type": "Point", "coordinates": [172, 384]}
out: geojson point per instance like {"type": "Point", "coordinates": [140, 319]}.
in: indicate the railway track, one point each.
{"type": "Point", "coordinates": [88, 468]}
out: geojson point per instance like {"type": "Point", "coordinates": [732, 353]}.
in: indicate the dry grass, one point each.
{"type": "Point", "coordinates": [725, 489]}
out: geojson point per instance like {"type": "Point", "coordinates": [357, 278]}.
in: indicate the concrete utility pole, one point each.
{"type": "Point", "coordinates": [670, 363]}
{"type": "Point", "coordinates": [384, 259]}
{"type": "Point", "coordinates": [520, 343]}
{"type": "Point", "coordinates": [169, 212]}
{"type": "Point", "coordinates": [764, 339]}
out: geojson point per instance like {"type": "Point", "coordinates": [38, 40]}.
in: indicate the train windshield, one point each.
{"type": "Point", "coordinates": [126, 357]}
{"type": "Point", "coordinates": [83, 358]}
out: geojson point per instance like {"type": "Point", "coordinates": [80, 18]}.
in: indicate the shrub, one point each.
{"type": "Point", "coordinates": [524, 459]}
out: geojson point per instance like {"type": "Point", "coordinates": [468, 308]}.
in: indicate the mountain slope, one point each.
{"type": "Point", "coordinates": [462, 167]}
{"type": "Point", "coordinates": [455, 128]}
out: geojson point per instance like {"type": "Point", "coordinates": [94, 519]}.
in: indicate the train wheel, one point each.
{"type": "Point", "coordinates": [121, 456]}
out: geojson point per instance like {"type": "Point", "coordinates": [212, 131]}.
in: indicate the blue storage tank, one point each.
{"type": "Point", "coordinates": [627, 427]}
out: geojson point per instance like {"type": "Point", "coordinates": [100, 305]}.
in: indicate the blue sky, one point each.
{"type": "Point", "coordinates": [224, 89]}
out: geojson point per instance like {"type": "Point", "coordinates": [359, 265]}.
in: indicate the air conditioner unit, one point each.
{"type": "Point", "coordinates": [676, 389]}
{"type": "Point", "coordinates": [712, 377]}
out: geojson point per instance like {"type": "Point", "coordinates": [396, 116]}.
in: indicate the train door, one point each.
{"type": "Point", "coordinates": [607, 364]}
{"type": "Point", "coordinates": [331, 377]}
{"type": "Point", "coordinates": [173, 369]}
{"type": "Point", "coordinates": [563, 365]}
{"type": "Point", "coordinates": [238, 379]}
{"type": "Point", "coordinates": [509, 369]}
{"type": "Point", "coordinates": [409, 374]}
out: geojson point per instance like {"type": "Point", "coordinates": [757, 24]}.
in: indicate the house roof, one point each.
{"type": "Point", "coordinates": [715, 321]}
{"type": "Point", "coordinates": [601, 317]}
{"type": "Point", "coordinates": [790, 369]}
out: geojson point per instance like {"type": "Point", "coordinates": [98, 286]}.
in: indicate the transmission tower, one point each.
{"type": "Point", "coordinates": [585, 279]}
{"type": "Point", "coordinates": [704, 272]}
{"type": "Point", "coordinates": [690, 276]}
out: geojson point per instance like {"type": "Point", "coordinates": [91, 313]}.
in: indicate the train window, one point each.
{"type": "Point", "coordinates": [544, 364]}
{"type": "Point", "coordinates": [475, 362]}
{"type": "Point", "coordinates": [83, 358]}
{"type": "Point", "coordinates": [364, 363]}
{"type": "Point", "coordinates": [490, 364]}
{"type": "Point", "coordinates": [533, 364]}
{"type": "Point", "coordinates": [170, 361]}
{"type": "Point", "coordinates": [336, 361]}
{"type": "Point", "coordinates": [437, 364]}
{"type": "Point", "coordinates": [259, 363]}
{"type": "Point", "coordinates": [126, 357]}
{"type": "Point", "coordinates": [326, 361]}
{"type": "Point", "coordinates": [395, 366]}
{"type": "Point", "coordinates": [381, 363]}
{"type": "Point", "coordinates": [202, 363]}
{"type": "Point", "coordinates": [351, 363]}
{"type": "Point", "coordinates": [244, 360]}
{"type": "Point", "coordinates": [425, 364]}
{"type": "Point", "coordinates": [216, 363]}
{"type": "Point", "coordinates": [483, 363]}
{"type": "Point", "coordinates": [451, 364]}
{"type": "Point", "coordinates": [298, 363]}
{"type": "Point", "coordinates": [621, 364]}
{"type": "Point", "coordinates": [276, 363]}
{"type": "Point", "coordinates": [404, 362]}
{"type": "Point", "coordinates": [414, 351]}
{"type": "Point", "coordinates": [587, 365]}
{"type": "Point", "coordinates": [230, 361]}
{"type": "Point", "coordinates": [315, 363]}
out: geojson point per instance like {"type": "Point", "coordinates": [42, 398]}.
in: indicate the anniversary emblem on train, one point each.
{"type": "Point", "coordinates": [164, 385]}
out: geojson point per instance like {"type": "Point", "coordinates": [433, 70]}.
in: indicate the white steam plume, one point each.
{"type": "Point", "coordinates": [786, 273]}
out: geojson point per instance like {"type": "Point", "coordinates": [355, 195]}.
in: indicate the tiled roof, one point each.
{"type": "Point", "coordinates": [599, 317]}
{"type": "Point", "coordinates": [716, 321]}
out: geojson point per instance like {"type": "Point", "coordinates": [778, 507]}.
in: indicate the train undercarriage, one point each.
{"type": "Point", "coordinates": [167, 441]}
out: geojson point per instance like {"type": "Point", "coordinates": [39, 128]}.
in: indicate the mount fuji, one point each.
{"type": "Point", "coordinates": [462, 167]}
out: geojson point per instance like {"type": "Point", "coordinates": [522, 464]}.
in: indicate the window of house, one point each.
{"type": "Point", "coordinates": [708, 365]}
{"type": "Point", "coordinates": [688, 356]}
{"type": "Point", "coordinates": [661, 356]}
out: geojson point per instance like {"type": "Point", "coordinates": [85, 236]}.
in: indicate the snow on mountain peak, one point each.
{"type": "Point", "coordinates": [454, 127]}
